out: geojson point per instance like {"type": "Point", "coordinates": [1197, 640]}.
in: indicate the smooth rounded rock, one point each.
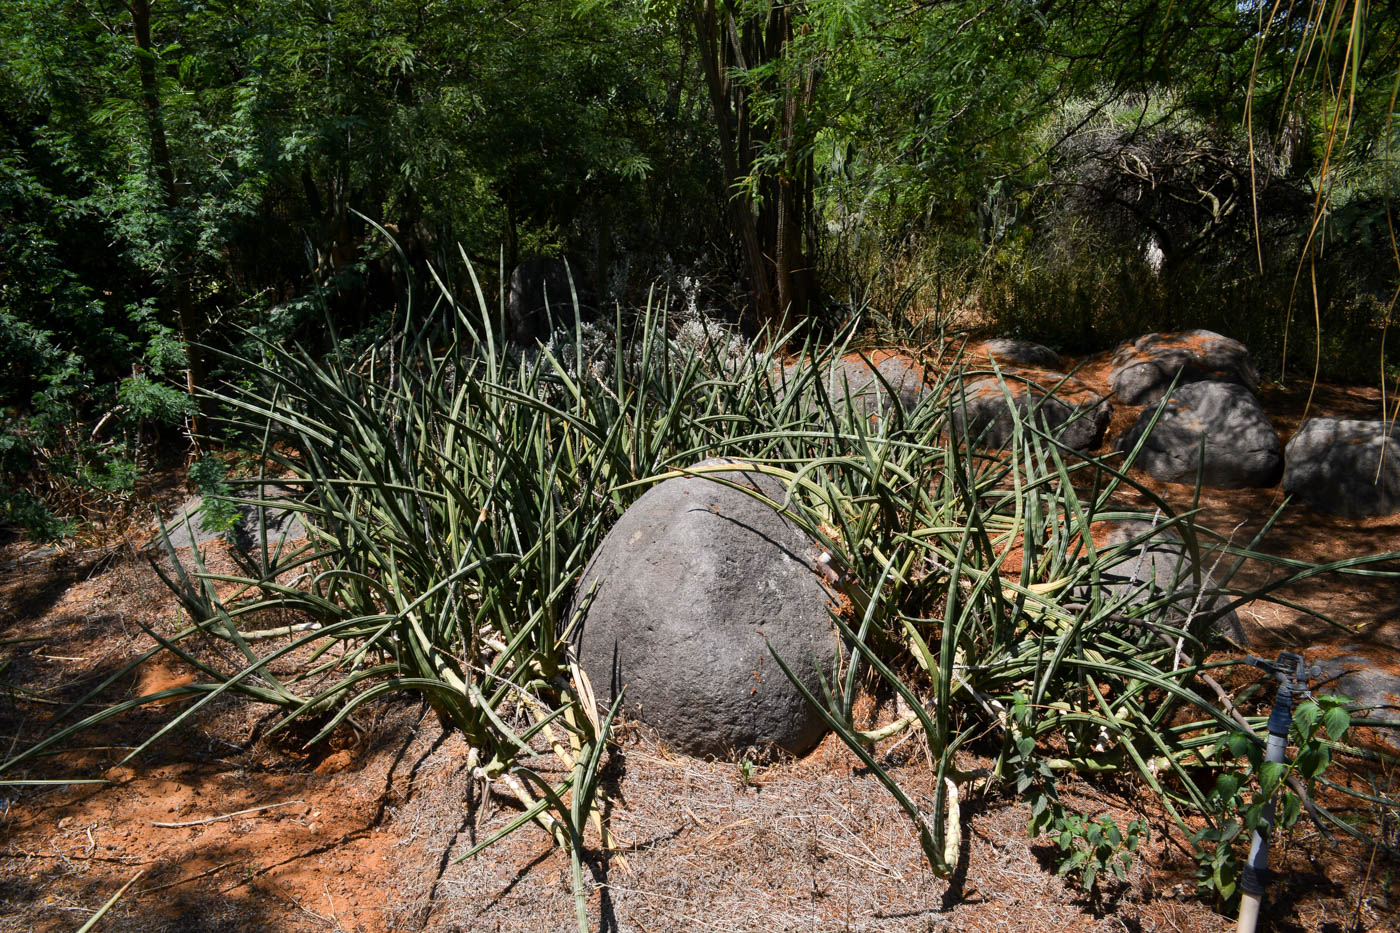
{"type": "Point", "coordinates": [1066, 408]}
{"type": "Point", "coordinates": [1159, 566]}
{"type": "Point", "coordinates": [1025, 352]}
{"type": "Point", "coordinates": [1345, 468]}
{"type": "Point", "coordinates": [1143, 370]}
{"type": "Point", "coordinates": [1222, 420]}
{"type": "Point", "coordinates": [693, 585]}
{"type": "Point", "coordinates": [868, 380]}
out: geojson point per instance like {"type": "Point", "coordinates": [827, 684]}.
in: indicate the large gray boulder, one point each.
{"type": "Point", "coordinates": [1071, 412]}
{"type": "Point", "coordinates": [541, 298]}
{"type": "Point", "coordinates": [868, 386]}
{"type": "Point", "coordinates": [1222, 420]}
{"type": "Point", "coordinates": [1143, 370]}
{"type": "Point", "coordinates": [693, 584]}
{"type": "Point", "coordinates": [1159, 568]}
{"type": "Point", "coordinates": [1346, 468]}
{"type": "Point", "coordinates": [1016, 350]}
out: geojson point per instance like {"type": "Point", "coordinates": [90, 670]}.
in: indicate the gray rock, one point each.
{"type": "Point", "coordinates": [1346, 468]}
{"type": "Point", "coordinates": [1242, 449]}
{"type": "Point", "coordinates": [694, 583]}
{"type": "Point", "coordinates": [1074, 414]}
{"type": "Point", "coordinates": [868, 384]}
{"type": "Point", "coordinates": [1025, 352]}
{"type": "Point", "coordinates": [541, 299]}
{"type": "Point", "coordinates": [40, 554]}
{"type": "Point", "coordinates": [1144, 369]}
{"type": "Point", "coordinates": [1368, 684]}
{"type": "Point", "coordinates": [188, 527]}
{"type": "Point", "coordinates": [1159, 565]}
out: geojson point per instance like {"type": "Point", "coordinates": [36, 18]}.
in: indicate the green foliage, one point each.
{"type": "Point", "coordinates": [74, 427]}
{"type": "Point", "coordinates": [214, 184]}
{"type": "Point", "coordinates": [1217, 860]}
{"type": "Point", "coordinates": [218, 512]}
{"type": "Point", "coordinates": [1319, 726]}
{"type": "Point", "coordinates": [141, 398]}
{"type": "Point", "coordinates": [1064, 142]}
{"type": "Point", "coordinates": [1151, 217]}
{"type": "Point", "coordinates": [1096, 848]}
{"type": "Point", "coordinates": [923, 159]}
{"type": "Point", "coordinates": [21, 509]}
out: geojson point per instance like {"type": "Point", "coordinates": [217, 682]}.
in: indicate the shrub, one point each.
{"type": "Point", "coordinates": [1148, 218]}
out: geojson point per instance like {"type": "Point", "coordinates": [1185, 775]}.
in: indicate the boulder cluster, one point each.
{"type": "Point", "coordinates": [1200, 417]}
{"type": "Point", "coordinates": [1200, 422]}
{"type": "Point", "coordinates": [706, 580]}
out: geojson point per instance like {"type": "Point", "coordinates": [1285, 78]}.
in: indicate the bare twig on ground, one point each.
{"type": "Point", "coordinates": [226, 816]}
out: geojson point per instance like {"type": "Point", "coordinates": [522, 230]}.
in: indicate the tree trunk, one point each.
{"type": "Point", "coordinates": [722, 47]}
{"type": "Point", "coordinates": [794, 186]}
{"type": "Point", "coordinates": [512, 244]}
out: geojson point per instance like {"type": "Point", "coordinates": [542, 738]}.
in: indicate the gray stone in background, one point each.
{"type": "Point", "coordinates": [1077, 418]}
{"type": "Point", "coordinates": [1159, 565]}
{"type": "Point", "coordinates": [1144, 369]}
{"type": "Point", "coordinates": [1375, 690]}
{"type": "Point", "coordinates": [857, 380]}
{"type": "Point", "coordinates": [281, 524]}
{"type": "Point", "coordinates": [1025, 352]}
{"type": "Point", "coordinates": [1345, 468]}
{"type": "Point", "coordinates": [1242, 449]}
{"type": "Point", "coordinates": [690, 582]}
